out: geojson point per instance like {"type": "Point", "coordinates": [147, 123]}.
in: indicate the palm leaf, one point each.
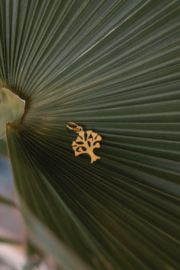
{"type": "Point", "coordinates": [112, 67]}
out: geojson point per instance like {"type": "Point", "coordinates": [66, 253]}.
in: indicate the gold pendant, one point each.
{"type": "Point", "coordinates": [84, 144]}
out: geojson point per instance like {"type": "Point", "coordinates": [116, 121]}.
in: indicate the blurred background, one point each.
{"type": "Point", "coordinates": [12, 256]}
{"type": "Point", "coordinates": [14, 244]}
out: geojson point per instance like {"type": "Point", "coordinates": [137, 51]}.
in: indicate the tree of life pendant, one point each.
{"type": "Point", "coordinates": [86, 142]}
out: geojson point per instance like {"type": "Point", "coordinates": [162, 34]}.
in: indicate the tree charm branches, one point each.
{"type": "Point", "coordinates": [86, 144]}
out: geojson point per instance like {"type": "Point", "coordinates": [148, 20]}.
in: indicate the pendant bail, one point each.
{"type": "Point", "coordinates": [73, 127]}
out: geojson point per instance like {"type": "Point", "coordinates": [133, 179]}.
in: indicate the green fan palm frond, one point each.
{"type": "Point", "coordinates": [112, 67]}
